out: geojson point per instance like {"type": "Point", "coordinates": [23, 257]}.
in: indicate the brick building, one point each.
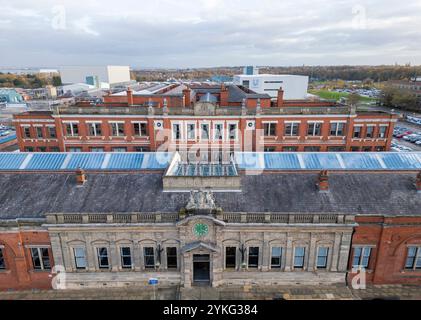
{"type": "Point", "coordinates": [208, 122]}
{"type": "Point", "coordinates": [265, 218]}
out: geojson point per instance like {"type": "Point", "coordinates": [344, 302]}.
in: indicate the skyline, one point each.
{"type": "Point", "coordinates": [209, 33]}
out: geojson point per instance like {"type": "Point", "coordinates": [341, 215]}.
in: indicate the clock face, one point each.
{"type": "Point", "coordinates": [200, 229]}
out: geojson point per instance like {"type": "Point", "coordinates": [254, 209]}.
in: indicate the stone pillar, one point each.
{"type": "Point", "coordinates": [288, 254]}
{"type": "Point", "coordinates": [344, 250]}
{"type": "Point", "coordinates": [265, 253]}
{"type": "Point", "coordinates": [188, 266]}
{"type": "Point", "coordinates": [67, 259]}
{"type": "Point", "coordinates": [335, 253]}
{"type": "Point", "coordinates": [136, 256]}
{"type": "Point", "coordinates": [56, 249]}
{"type": "Point", "coordinates": [114, 254]}
{"type": "Point", "coordinates": [312, 253]}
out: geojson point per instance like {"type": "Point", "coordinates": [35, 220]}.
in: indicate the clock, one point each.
{"type": "Point", "coordinates": [200, 229]}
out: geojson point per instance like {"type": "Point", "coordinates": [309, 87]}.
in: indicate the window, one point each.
{"type": "Point", "coordinates": [289, 149]}
{"type": "Point", "coordinates": [2, 263]}
{"type": "Point", "coordinates": [382, 132]}
{"type": "Point", "coordinates": [39, 132]}
{"type": "Point", "coordinates": [322, 255]}
{"type": "Point", "coordinates": [367, 149]}
{"type": "Point", "coordinates": [75, 149]}
{"type": "Point", "coordinates": [139, 129]}
{"type": "Point", "coordinates": [117, 129]}
{"type": "Point", "coordinates": [269, 129]}
{"type": "Point", "coordinates": [337, 129]}
{"type": "Point", "coordinates": [42, 149]}
{"type": "Point", "coordinates": [232, 131]}
{"type": "Point", "coordinates": [40, 258]}
{"type": "Point", "coordinates": [97, 149]}
{"type": "Point", "coordinates": [94, 129]}
{"type": "Point", "coordinates": [355, 149]}
{"type": "Point", "coordinates": [380, 149]}
{"type": "Point", "coordinates": [103, 262]}
{"type": "Point", "coordinates": [370, 132]}
{"type": "Point", "coordinates": [291, 129]}
{"type": "Point", "coordinates": [361, 257]}
{"type": "Point", "coordinates": [413, 259]}
{"type": "Point", "coordinates": [149, 256]}
{"type": "Point", "coordinates": [311, 149]}
{"type": "Point", "coordinates": [253, 257]}
{"type": "Point", "coordinates": [171, 257]}
{"type": "Point", "coordinates": [80, 258]}
{"type": "Point", "coordinates": [230, 257]}
{"type": "Point", "coordinates": [336, 149]}
{"type": "Point", "coordinates": [126, 257]}
{"type": "Point", "coordinates": [72, 129]}
{"type": "Point", "coordinates": [191, 131]}
{"type": "Point", "coordinates": [314, 129]}
{"type": "Point", "coordinates": [26, 132]}
{"type": "Point", "coordinates": [52, 132]}
{"type": "Point", "coordinates": [176, 131]}
{"type": "Point", "coordinates": [119, 149]}
{"type": "Point", "coordinates": [204, 131]}
{"type": "Point", "coordinates": [299, 255]}
{"type": "Point", "coordinates": [219, 127]}
{"type": "Point", "coordinates": [269, 149]}
{"type": "Point", "coordinates": [141, 149]}
{"type": "Point", "coordinates": [357, 132]}
{"type": "Point", "coordinates": [276, 258]}
{"type": "Point", "coordinates": [54, 149]}
{"type": "Point", "coordinates": [29, 149]}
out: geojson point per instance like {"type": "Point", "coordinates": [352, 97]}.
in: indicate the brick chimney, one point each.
{"type": "Point", "coordinates": [224, 96]}
{"type": "Point", "coordinates": [186, 94]}
{"type": "Point", "coordinates": [323, 182]}
{"type": "Point", "coordinates": [129, 97]}
{"type": "Point", "coordinates": [280, 97]}
{"type": "Point", "coordinates": [80, 177]}
{"type": "Point", "coordinates": [418, 182]}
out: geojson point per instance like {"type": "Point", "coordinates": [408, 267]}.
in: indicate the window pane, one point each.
{"type": "Point", "coordinates": [322, 257]}
{"type": "Point", "coordinates": [80, 258]}
{"type": "Point", "coordinates": [205, 131]}
{"type": "Point", "coordinates": [126, 258]}
{"type": "Point", "coordinates": [45, 258]}
{"type": "Point", "coordinates": [103, 257]}
{"type": "Point", "coordinates": [149, 256]}
{"type": "Point", "coordinates": [253, 257]}
{"type": "Point", "coordinates": [299, 257]}
{"type": "Point", "coordinates": [172, 257]}
{"type": "Point", "coordinates": [230, 257]}
{"type": "Point", "coordinates": [36, 261]}
{"type": "Point", "coordinates": [276, 257]}
{"type": "Point", "coordinates": [2, 263]}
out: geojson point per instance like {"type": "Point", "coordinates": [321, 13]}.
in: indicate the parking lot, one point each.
{"type": "Point", "coordinates": [400, 144]}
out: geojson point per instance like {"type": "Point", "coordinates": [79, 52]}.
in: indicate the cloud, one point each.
{"type": "Point", "coordinates": [193, 33]}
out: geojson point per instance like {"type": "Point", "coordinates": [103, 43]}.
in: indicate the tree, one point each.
{"type": "Point", "coordinates": [404, 99]}
{"type": "Point", "coordinates": [353, 99]}
{"type": "Point", "coordinates": [56, 81]}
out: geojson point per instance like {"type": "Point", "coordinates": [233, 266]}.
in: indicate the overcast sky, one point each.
{"type": "Point", "coordinates": [204, 33]}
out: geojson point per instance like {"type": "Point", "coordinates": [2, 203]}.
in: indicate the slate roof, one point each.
{"type": "Point", "coordinates": [31, 195]}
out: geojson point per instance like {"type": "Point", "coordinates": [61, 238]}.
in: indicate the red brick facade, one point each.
{"type": "Point", "coordinates": [19, 272]}
{"type": "Point", "coordinates": [389, 239]}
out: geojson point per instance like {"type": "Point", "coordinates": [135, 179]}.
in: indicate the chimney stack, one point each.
{"type": "Point", "coordinates": [280, 97]}
{"type": "Point", "coordinates": [223, 96]}
{"type": "Point", "coordinates": [418, 182]}
{"type": "Point", "coordinates": [323, 182]}
{"type": "Point", "coordinates": [129, 97]}
{"type": "Point", "coordinates": [187, 101]}
{"type": "Point", "coordinates": [80, 177]}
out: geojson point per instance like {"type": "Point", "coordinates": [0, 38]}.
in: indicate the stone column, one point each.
{"type": "Point", "coordinates": [335, 253]}
{"type": "Point", "coordinates": [265, 253]}
{"type": "Point", "coordinates": [288, 254]}
{"type": "Point", "coordinates": [344, 250]}
{"type": "Point", "coordinates": [56, 249]}
{"type": "Point", "coordinates": [67, 259]}
{"type": "Point", "coordinates": [312, 252]}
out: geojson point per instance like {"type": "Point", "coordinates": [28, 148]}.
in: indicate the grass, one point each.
{"type": "Point", "coordinates": [332, 95]}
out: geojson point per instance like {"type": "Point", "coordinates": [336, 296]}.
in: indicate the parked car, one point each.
{"type": "Point", "coordinates": [4, 133]}
{"type": "Point", "coordinates": [403, 134]}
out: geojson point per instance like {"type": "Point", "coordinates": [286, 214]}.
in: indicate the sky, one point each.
{"type": "Point", "coordinates": [209, 33]}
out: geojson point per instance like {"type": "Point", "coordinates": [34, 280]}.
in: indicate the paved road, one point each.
{"type": "Point", "coordinates": [333, 292]}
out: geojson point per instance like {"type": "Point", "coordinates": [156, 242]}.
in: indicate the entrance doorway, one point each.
{"type": "Point", "coordinates": [201, 269]}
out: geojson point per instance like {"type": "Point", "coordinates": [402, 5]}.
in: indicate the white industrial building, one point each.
{"type": "Point", "coordinates": [295, 87]}
{"type": "Point", "coordinates": [97, 76]}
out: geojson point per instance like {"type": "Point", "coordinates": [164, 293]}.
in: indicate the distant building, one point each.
{"type": "Point", "coordinates": [250, 70]}
{"type": "Point", "coordinates": [97, 76]}
{"type": "Point", "coordinates": [412, 86]}
{"type": "Point", "coordinates": [295, 87]}
{"type": "Point", "coordinates": [11, 98]}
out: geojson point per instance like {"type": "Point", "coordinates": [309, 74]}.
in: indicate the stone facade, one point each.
{"type": "Point", "coordinates": [211, 244]}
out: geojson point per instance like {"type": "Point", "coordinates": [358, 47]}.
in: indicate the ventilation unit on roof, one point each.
{"type": "Point", "coordinates": [159, 125]}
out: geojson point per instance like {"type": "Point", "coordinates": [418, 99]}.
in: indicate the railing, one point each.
{"type": "Point", "coordinates": [228, 217]}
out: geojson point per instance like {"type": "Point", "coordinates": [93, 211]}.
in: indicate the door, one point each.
{"type": "Point", "coordinates": [201, 269]}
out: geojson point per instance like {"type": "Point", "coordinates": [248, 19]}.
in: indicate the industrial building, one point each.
{"type": "Point", "coordinates": [97, 76]}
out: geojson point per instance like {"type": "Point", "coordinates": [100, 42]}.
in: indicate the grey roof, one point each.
{"type": "Point", "coordinates": [31, 195]}
{"type": "Point", "coordinates": [235, 94]}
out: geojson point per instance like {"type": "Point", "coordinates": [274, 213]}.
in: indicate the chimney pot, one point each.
{"type": "Point", "coordinates": [323, 182]}
{"type": "Point", "coordinates": [80, 177]}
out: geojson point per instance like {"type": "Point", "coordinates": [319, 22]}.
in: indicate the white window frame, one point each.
{"type": "Point", "coordinates": [280, 257]}
{"type": "Point", "coordinates": [187, 124]}
{"type": "Point", "coordinates": [39, 249]}
{"type": "Point", "coordinates": [416, 258]}
{"type": "Point", "coordinates": [269, 123]}
{"type": "Point", "coordinates": [362, 256]}
{"type": "Point", "coordinates": [122, 256]}
{"type": "Point", "coordinates": [117, 123]}
{"type": "Point", "coordinates": [314, 128]}
{"type": "Point", "coordinates": [207, 123]}
{"type": "Point", "coordinates": [228, 138]}
{"type": "Point", "coordinates": [76, 257]}
{"type": "Point", "coordinates": [140, 130]}
{"type": "Point", "coordinates": [303, 267]}
{"type": "Point", "coordinates": [292, 123]}
{"type": "Point", "coordinates": [372, 134]}
{"type": "Point", "coordinates": [72, 130]}
{"type": "Point", "coordinates": [337, 123]}
{"type": "Point", "coordinates": [326, 266]}
{"type": "Point", "coordinates": [386, 126]}
{"type": "Point", "coordinates": [90, 123]}
{"type": "Point", "coordinates": [214, 124]}
{"type": "Point", "coordinates": [180, 124]}
{"type": "Point", "coordinates": [99, 260]}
